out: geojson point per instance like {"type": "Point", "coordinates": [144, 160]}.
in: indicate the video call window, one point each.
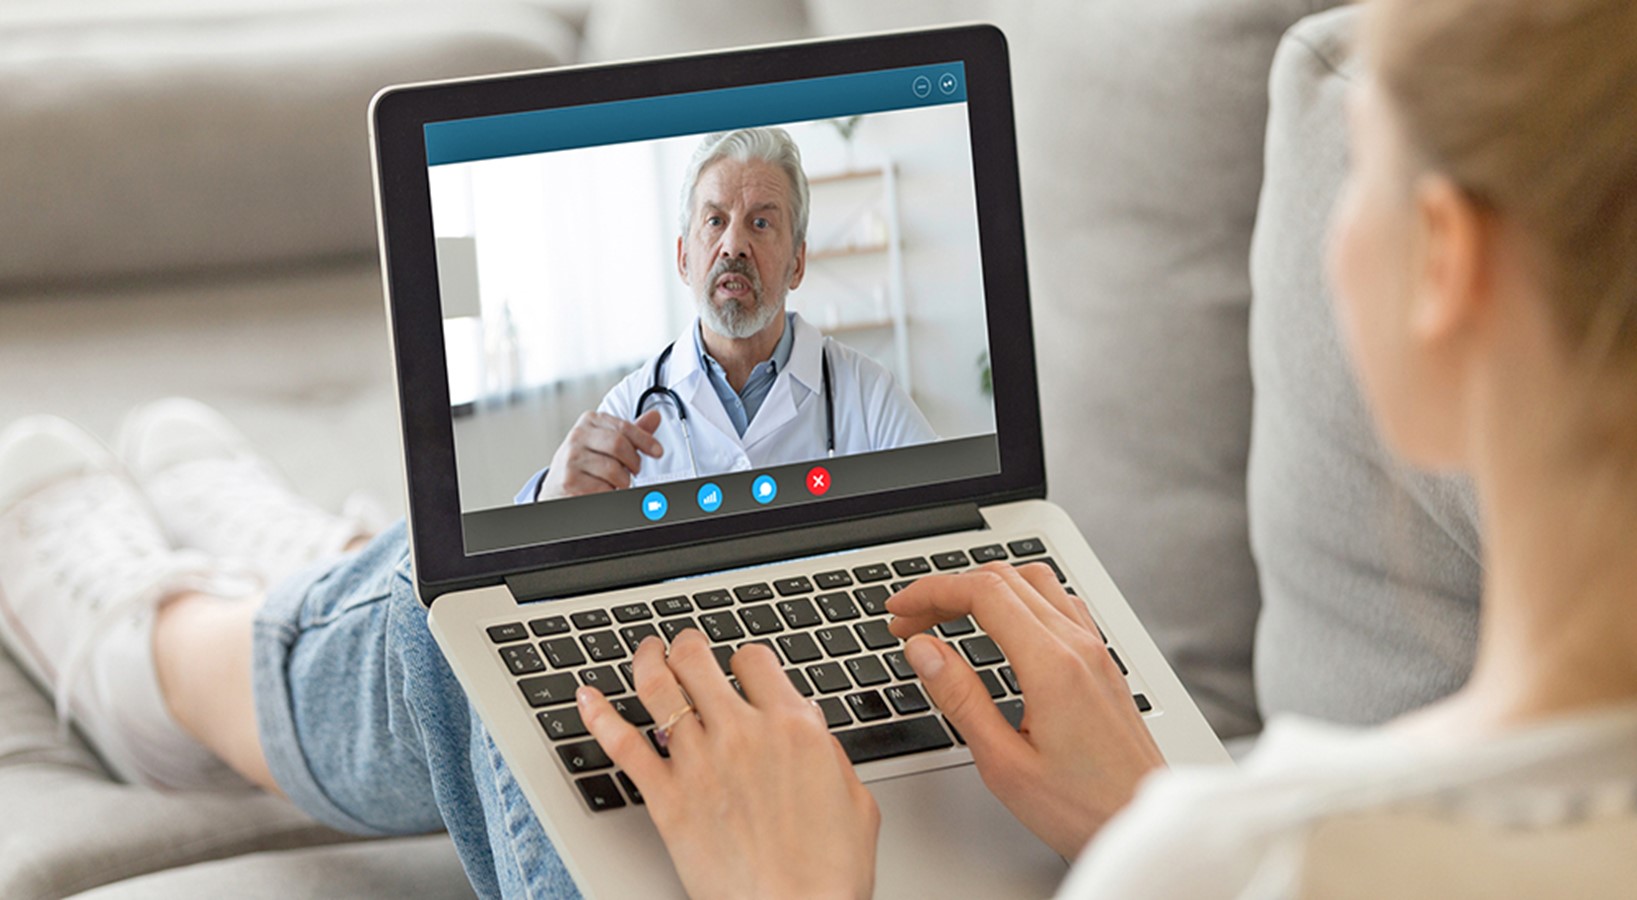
{"type": "Point", "coordinates": [564, 276]}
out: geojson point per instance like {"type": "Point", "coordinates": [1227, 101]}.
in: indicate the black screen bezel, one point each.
{"type": "Point", "coordinates": [415, 313]}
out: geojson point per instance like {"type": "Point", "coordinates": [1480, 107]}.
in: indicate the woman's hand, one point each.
{"type": "Point", "coordinates": [1082, 747]}
{"type": "Point", "coordinates": [757, 800]}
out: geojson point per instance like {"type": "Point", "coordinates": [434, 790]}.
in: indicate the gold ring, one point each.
{"type": "Point", "coordinates": [662, 734]}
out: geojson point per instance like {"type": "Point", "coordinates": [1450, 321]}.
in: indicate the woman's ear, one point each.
{"type": "Point", "coordinates": [1452, 288]}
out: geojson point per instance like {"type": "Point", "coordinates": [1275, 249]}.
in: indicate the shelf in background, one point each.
{"type": "Point", "coordinates": [850, 175]}
{"type": "Point", "coordinates": [858, 325]}
{"type": "Point", "coordinates": [843, 252]}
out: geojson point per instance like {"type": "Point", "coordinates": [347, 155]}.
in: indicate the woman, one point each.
{"type": "Point", "coordinates": [1484, 257]}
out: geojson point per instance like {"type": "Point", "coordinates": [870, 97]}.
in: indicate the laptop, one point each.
{"type": "Point", "coordinates": [529, 229]}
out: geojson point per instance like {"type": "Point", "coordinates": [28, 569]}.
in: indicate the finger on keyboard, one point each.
{"type": "Point", "coordinates": [762, 676]}
{"type": "Point", "coordinates": [696, 669]}
{"type": "Point", "coordinates": [622, 741]}
{"type": "Point", "coordinates": [1044, 580]}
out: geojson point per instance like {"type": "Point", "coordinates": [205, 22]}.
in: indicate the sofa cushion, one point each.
{"type": "Point", "coordinates": [1370, 572]}
{"type": "Point", "coordinates": [164, 136]}
{"type": "Point", "coordinates": [400, 868]}
{"type": "Point", "coordinates": [69, 828]}
{"type": "Point", "coordinates": [1140, 129]}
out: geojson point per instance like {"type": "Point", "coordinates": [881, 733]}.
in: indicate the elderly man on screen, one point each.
{"type": "Point", "coordinates": [748, 385]}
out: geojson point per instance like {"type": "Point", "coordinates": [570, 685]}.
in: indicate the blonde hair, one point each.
{"type": "Point", "coordinates": [1530, 106]}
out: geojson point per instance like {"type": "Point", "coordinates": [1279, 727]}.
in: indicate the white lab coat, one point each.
{"type": "Point", "coordinates": [871, 411]}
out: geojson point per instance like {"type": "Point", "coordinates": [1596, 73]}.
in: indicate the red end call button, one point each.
{"type": "Point", "coordinates": [818, 481]}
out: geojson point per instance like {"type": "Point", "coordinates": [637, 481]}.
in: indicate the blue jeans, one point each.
{"type": "Point", "coordinates": [366, 729]}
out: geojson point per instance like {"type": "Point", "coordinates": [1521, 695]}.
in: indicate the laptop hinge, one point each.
{"type": "Point", "coordinates": [661, 565]}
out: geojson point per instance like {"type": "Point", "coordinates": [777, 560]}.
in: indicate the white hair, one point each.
{"type": "Point", "coordinates": [772, 145]}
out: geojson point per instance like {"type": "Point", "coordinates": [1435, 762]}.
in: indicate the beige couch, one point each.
{"type": "Point", "coordinates": [186, 209]}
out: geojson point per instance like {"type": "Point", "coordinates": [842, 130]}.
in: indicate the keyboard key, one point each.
{"type": "Point", "coordinates": [1010, 677]}
{"type": "Point", "coordinates": [599, 793]}
{"type": "Point", "coordinates": [958, 627]}
{"type": "Point", "coordinates": [875, 635]}
{"type": "Point", "coordinates": [988, 553]}
{"type": "Point", "coordinates": [549, 626]}
{"type": "Point", "coordinates": [867, 706]}
{"type": "Point", "coordinates": [828, 677]}
{"type": "Point", "coordinates": [630, 787]}
{"type": "Point", "coordinates": [907, 699]}
{"type": "Point", "coordinates": [1013, 711]}
{"type": "Point", "coordinates": [867, 671]}
{"type": "Point", "coordinates": [1118, 661]}
{"type": "Point", "coordinates": [548, 690]}
{"type": "Point", "coordinates": [724, 657]}
{"type": "Point", "coordinates": [562, 724]}
{"type": "Point", "coordinates": [799, 613]}
{"type": "Point", "coordinates": [626, 670]}
{"type": "Point", "coordinates": [713, 599]}
{"type": "Point", "coordinates": [954, 559]}
{"type": "Point", "coordinates": [603, 679]}
{"type": "Point", "coordinates": [512, 631]}
{"type": "Point", "coordinates": [751, 593]}
{"type": "Point", "coordinates": [632, 612]}
{"type": "Point", "coordinates": [633, 635]}
{"type": "Point", "coordinates": [584, 756]}
{"type": "Point", "coordinates": [799, 682]}
{"type": "Point", "coordinates": [829, 581]}
{"type": "Point", "coordinates": [1027, 547]}
{"type": "Point", "coordinates": [1142, 703]}
{"type": "Point", "coordinates": [760, 619]}
{"type": "Point", "coordinates": [721, 627]}
{"type": "Point", "coordinates": [673, 627]}
{"type": "Point", "coordinates": [602, 646]}
{"type": "Point", "coordinates": [632, 710]}
{"type": "Point", "coordinates": [991, 683]}
{"type": "Point", "coordinates": [981, 650]}
{"type": "Point", "coordinates": [915, 565]}
{"type": "Point", "coordinates": [900, 667]}
{"type": "Point", "coordinates": [891, 739]}
{"type": "Point", "coordinates": [1061, 578]}
{"type": "Point", "coordinates": [672, 606]}
{"type": "Point", "coordinates": [900, 585]}
{"type": "Point", "coordinates": [591, 618]}
{"type": "Point", "coordinates": [837, 607]}
{"type": "Point", "coordinates": [835, 712]}
{"type": "Point", "coordinates": [563, 652]}
{"type": "Point", "coordinates": [837, 641]}
{"type": "Point", "coordinates": [799, 647]}
{"type": "Point", "coordinates": [522, 659]}
{"type": "Point", "coordinates": [873, 599]}
{"type": "Point", "coordinates": [874, 572]}
{"type": "Point", "coordinates": [789, 587]}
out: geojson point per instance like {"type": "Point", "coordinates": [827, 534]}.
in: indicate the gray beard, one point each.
{"type": "Point", "coordinates": [731, 319]}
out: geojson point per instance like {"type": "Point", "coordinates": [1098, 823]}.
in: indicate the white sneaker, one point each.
{"type": "Point", "coordinates": [213, 491]}
{"type": "Point", "coordinates": [83, 567]}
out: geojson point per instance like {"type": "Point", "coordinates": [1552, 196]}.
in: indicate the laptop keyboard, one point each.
{"type": "Point", "coordinates": [829, 629]}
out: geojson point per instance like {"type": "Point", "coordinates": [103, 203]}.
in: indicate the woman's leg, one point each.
{"type": "Point", "coordinates": [202, 657]}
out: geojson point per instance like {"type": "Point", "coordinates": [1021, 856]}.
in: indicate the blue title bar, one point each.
{"type": "Point", "coordinates": [650, 118]}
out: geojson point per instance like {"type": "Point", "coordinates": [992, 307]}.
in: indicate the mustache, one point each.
{"type": "Point", "coordinates": [737, 267]}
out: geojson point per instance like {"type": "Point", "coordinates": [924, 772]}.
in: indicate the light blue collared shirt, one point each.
{"type": "Point", "coordinates": [743, 405]}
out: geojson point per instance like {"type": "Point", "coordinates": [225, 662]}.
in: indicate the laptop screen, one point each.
{"type": "Point", "coordinates": [674, 314]}
{"type": "Point", "coordinates": [803, 255]}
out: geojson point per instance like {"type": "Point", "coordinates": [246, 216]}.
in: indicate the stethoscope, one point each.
{"type": "Point", "coordinates": [658, 389]}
